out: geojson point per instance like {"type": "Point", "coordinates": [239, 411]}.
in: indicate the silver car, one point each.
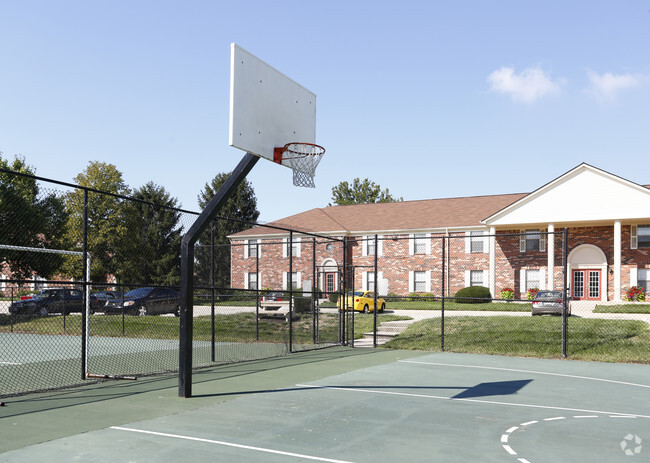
{"type": "Point", "coordinates": [549, 303]}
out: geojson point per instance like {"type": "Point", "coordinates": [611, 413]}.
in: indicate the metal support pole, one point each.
{"type": "Point", "coordinates": [85, 313]}
{"type": "Point", "coordinates": [212, 275]}
{"type": "Point", "coordinates": [565, 319]}
{"type": "Point", "coordinates": [442, 306]}
{"type": "Point", "coordinates": [343, 286]}
{"type": "Point", "coordinates": [290, 283]}
{"type": "Point", "coordinates": [187, 269]}
{"type": "Point", "coordinates": [374, 329]}
{"type": "Point", "coordinates": [314, 292]}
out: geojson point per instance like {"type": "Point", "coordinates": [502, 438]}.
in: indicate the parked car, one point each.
{"type": "Point", "coordinates": [52, 300]}
{"type": "Point", "coordinates": [364, 301]}
{"type": "Point", "coordinates": [99, 299]}
{"type": "Point", "coordinates": [146, 301]}
{"type": "Point", "coordinates": [275, 296]}
{"type": "Point", "coordinates": [549, 302]}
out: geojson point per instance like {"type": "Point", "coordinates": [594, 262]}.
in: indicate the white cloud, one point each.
{"type": "Point", "coordinates": [527, 86]}
{"type": "Point", "coordinates": [607, 86]}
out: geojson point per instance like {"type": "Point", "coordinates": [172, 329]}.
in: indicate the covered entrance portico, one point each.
{"type": "Point", "coordinates": [588, 273]}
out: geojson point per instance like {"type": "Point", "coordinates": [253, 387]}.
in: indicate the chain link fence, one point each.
{"type": "Point", "coordinates": [89, 289]}
{"type": "Point", "coordinates": [475, 293]}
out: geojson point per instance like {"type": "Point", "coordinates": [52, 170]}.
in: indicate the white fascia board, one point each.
{"type": "Point", "coordinates": [584, 194]}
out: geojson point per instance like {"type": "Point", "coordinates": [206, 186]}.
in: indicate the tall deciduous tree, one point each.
{"type": "Point", "coordinates": [361, 192]}
{"type": "Point", "coordinates": [104, 225]}
{"type": "Point", "coordinates": [242, 206]}
{"type": "Point", "coordinates": [148, 252]}
{"type": "Point", "coordinates": [29, 217]}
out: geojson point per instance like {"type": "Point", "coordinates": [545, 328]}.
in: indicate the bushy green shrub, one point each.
{"type": "Point", "coordinates": [473, 295]}
{"type": "Point", "coordinates": [333, 297]}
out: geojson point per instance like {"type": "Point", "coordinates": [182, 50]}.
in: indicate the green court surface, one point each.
{"type": "Point", "coordinates": [347, 405]}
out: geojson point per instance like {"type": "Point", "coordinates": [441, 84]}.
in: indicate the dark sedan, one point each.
{"type": "Point", "coordinates": [53, 300]}
{"type": "Point", "coordinates": [146, 301]}
{"type": "Point", "coordinates": [99, 299]}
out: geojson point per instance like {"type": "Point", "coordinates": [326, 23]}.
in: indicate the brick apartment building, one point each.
{"type": "Point", "coordinates": [501, 241]}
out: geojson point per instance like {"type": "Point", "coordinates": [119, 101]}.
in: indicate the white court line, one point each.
{"type": "Point", "coordinates": [489, 402]}
{"type": "Point", "coordinates": [10, 363]}
{"type": "Point", "coordinates": [229, 444]}
{"type": "Point", "coordinates": [527, 371]}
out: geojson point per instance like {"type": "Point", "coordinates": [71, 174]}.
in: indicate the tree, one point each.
{"type": "Point", "coordinates": [361, 192]}
{"type": "Point", "coordinates": [104, 225]}
{"type": "Point", "coordinates": [242, 205]}
{"type": "Point", "coordinates": [149, 250]}
{"type": "Point", "coordinates": [29, 217]}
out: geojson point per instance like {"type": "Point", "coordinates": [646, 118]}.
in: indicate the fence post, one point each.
{"type": "Point", "coordinates": [290, 284]}
{"type": "Point", "coordinates": [314, 292]}
{"type": "Point", "coordinates": [374, 329]}
{"type": "Point", "coordinates": [565, 319]}
{"type": "Point", "coordinates": [84, 315]}
{"type": "Point", "coordinates": [442, 305]}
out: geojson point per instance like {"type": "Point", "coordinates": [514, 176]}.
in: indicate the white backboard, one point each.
{"type": "Point", "coordinates": [267, 108]}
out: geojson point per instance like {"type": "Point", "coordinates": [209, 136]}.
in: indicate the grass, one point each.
{"type": "Point", "coordinates": [623, 308]}
{"type": "Point", "coordinates": [240, 327]}
{"type": "Point", "coordinates": [497, 306]}
{"type": "Point", "coordinates": [541, 337]}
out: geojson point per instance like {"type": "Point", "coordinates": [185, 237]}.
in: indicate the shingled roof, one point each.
{"type": "Point", "coordinates": [402, 216]}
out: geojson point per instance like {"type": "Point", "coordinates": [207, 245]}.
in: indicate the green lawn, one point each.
{"type": "Point", "coordinates": [623, 308]}
{"type": "Point", "coordinates": [588, 339]}
{"type": "Point", "coordinates": [241, 327]}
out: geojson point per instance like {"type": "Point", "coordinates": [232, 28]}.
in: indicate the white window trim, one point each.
{"type": "Point", "coordinates": [285, 279]}
{"type": "Point", "coordinates": [468, 242]}
{"type": "Point", "coordinates": [366, 242]}
{"type": "Point", "coordinates": [468, 277]}
{"type": "Point", "coordinates": [427, 281]}
{"type": "Point", "coordinates": [522, 279]}
{"type": "Point", "coordinates": [259, 280]}
{"type": "Point", "coordinates": [542, 239]}
{"type": "Point", "coordinates": [634, 276]}
{"type": "Point", "coordinates": [250, 242]}
{"type": "Point", "coordinates": [427, 237]}
{"type": "Point", "coordinates": [285, 247]}
{"type": "Point", "coordinates": [634, 237]}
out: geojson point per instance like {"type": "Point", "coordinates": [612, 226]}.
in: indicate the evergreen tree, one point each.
{"type": "Point", "coordinates": [242, 205]}
{"type": "Point", "coordinates": [149, 250]}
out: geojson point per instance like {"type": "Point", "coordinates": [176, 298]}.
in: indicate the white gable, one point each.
{"type": "Point", "coordinates": [584, 194]}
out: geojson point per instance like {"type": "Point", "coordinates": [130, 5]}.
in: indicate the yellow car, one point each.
{"type": "Point", "coordinates": [364, 301]}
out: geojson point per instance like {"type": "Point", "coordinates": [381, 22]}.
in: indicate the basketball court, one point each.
{"type": "Point", "coordinates": [338, 404]}
{"type": "Point", "coordinates": [347, 405]}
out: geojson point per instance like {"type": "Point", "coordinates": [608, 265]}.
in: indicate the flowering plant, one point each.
{"type": "Point", "coordinates": [635, 293]}
{"type": "Point", "coordinates": [507, 293]}
{"type": "Point", "coordinates": [532, 292]}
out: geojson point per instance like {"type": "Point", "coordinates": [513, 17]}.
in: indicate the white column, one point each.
{"type": "Point", "coordinates": [550, 257]}
{"type": "Point", "coordinates": [617, 261]}
{"type": "Point", "coordinates": [493, 261]}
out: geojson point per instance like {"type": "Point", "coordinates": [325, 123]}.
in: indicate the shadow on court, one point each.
{"type": "Point", "coordinates": [347, 405]}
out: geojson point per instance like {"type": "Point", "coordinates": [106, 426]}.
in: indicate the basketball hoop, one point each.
{"type": "Point", "coordinates": [302, 158]}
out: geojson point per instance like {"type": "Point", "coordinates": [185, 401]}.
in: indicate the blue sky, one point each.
{"type": "Point", "coordinates": [428, 99]}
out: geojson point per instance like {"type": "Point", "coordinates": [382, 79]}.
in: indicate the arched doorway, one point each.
{"type": "Point", "coordinates": [588, 273]}
{"type": "Point", "coordinates": [329, 276]}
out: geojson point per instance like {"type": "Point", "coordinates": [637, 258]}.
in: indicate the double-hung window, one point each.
{"type": "Point", "coordinates": [532, 240]}
{"type": "Point", "coordinates": [640, 236]}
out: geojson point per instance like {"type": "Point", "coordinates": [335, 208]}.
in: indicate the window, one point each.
{"type": "Point", "coordinates": [532, 279]}
{"type": "Point", "coordinates": [476, 278]}
{"type": "Point", "coordinates": [419, 243]}
{"type": "Point", "coordinates": [252, 281]}
{"type": "Point", "coordinates": [252, 249]}
{"type": "Point", "coordinates": [294, 278]}
{"type": "Point", "coordinates": [420, 282]}
{"type": "Point", "coordinates": [370, 246]}
{"type": "Point", "coordinates": [370, 284]}
{"type": "Point", "coordinates": [476, 241]}
{"type": "Point", "coordinates": [295, 247]}
{"type": "Point", "coordinates": [640, 236]}
{"type": "Point", "coordinates": [532, 240]}
{"type": "Point", "coordinates": [643, 280]}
